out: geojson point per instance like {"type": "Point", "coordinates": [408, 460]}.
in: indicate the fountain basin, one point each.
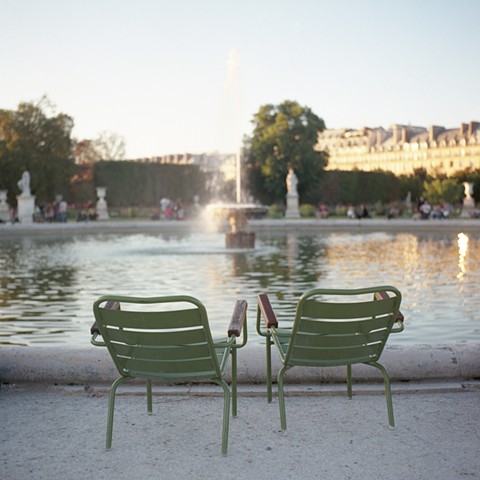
{"type": "Point", "coordinates": [237, 214]}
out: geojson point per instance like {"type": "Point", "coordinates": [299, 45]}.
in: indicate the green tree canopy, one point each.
{"type": "Point", "coordinates": [31, 140]}
{"type": "Point", "coordinates": [284, 136]}
{"type": "Point", "coordinates": [443, 190]}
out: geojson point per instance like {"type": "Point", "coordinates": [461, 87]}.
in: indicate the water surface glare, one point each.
{"type": "Point", "coordinates": [47, 286]}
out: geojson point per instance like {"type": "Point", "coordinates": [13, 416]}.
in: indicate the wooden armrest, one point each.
{"type": "Point", "coordinates": [111, 306]}
{"type": "Point", "coordinates": [238, 318]}
{"type": "Point", "coordinates": [267, 310]}
{"type": "Point", "coordinates": [383, 296]}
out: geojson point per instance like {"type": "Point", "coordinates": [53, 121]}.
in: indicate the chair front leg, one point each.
{"type": "Point", "coordinates": [226, 416]}
{"type": "Point", "coordinates": [111, 408]}
{"type": "Point", "coordinates": [388, 392]}
{"type": "Point", "coordinates": [281, 398]}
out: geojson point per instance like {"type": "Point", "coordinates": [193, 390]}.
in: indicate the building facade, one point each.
{"type": "Point", "coordinates": [403, 149]}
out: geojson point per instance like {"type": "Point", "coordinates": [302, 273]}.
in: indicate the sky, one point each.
{"type": "Point", "coordinates": [176, 76]}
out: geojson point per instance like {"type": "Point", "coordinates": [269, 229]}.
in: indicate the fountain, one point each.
{"type": "Point", "coordinates": [237, 215]}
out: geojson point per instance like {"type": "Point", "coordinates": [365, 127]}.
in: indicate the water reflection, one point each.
{"type": "Point", "coordinates": [462, 254]}
{"type": "Point", "coordinates": [47, 286]}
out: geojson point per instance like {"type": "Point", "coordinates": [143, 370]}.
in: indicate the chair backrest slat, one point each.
{"type": "Point", "coordinates": [151, 320]}
{"type": "Point", "coordinates": [319, 309]}
{"type": "Point", "coordinates": [154, 337]}
{"type": "Point", "coordinates": [339, 326]}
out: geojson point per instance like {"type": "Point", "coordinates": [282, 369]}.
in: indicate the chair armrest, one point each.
{"type": "Point", "coordinates": [238, 318]}
{"type": "Point", "coordinates": [383, 295]}
{"type": "Point", "coordinates": [267, 311]}
{"type": "Point", "coordinates": [110, 305]}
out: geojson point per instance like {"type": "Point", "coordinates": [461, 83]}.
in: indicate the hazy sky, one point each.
{"type": "Point", "coordinates": [188, 75]}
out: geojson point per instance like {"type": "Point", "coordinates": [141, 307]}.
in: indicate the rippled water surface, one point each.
{"type": "Point", "coordinates": [47, 286]}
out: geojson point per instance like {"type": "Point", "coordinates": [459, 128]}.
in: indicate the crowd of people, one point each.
{"type": "Point", "coordinates": [169, 210]}
{"type": "Point", "coordinates": [51, 212]}
{"type": "Point", "coordinates": [426, 211]}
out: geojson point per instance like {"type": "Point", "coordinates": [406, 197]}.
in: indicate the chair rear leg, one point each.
{"type": "Point", "coordinates": [234, 382]}
{"type": "Point", "coordinates": [111, 408]}
{"type": "Point", "coordinates": [149, 396]}
{"type": "Point", "coordinates": [268, 342]}
{"type": "Point", "coordinates": [349, 381]}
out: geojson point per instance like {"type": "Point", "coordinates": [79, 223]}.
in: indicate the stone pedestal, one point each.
{"type": "Point", "coordinates": [25, 208]}
{"type": "Point", "coordinates": [4, 207]}
{"type": "Point", "coordinates": [292, 210]}
{"type": "Point", "coordinates": [240, 240]}
{"type": "Point", "coordinates": [102, 209]}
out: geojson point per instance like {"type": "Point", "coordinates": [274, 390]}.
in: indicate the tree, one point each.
{"type": "Point", "coordinates": [110, 146]}
{"type": "Point", "coordinates": [31, 140]}
{"type": "Point", "coordinates": [284, 137]}
{"type": "Point", "coordinates": [446, 190]}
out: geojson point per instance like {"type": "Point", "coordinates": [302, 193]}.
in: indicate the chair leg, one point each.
{"type": "Point", "coordinates": [226, 416]}
{"type": "Point", "coordinates": [388, 392]}
{"type": "Point", "coordinates": [349, 381]}
{"type": "Point", "coordinates": [111, 407]}
{"type": "Point", "coordinates": [268, 342]}
{"type": "Point", "coordinates": [281, 399]}
{"type": "Point", "coordinates": [234, 382]}
{"type": "Point", "coordinates": [149, 396]}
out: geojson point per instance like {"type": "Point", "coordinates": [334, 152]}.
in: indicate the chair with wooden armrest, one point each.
{"type": "Point", "coordinates": [167, 339]}
{"type": "Point", "coordinates": [332, 327]}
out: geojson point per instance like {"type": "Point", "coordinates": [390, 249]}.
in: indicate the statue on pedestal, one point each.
{"type": "Point", "coordinates": [292, 210]}
{"type": "Point", "coordinates": [25, 201]}
{"type": "Point", "coordinates": [292, 182]}
{"type": "Point", "coordinates": [24, 184]}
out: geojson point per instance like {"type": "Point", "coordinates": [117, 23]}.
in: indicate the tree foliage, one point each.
{"type": "Point", "coordinates": [31, 140]}
{"type": "Point", "coordinates": [284, 136]}
{"type": "Point", "coordinates": [443, 190]}
{"type": "Point", "coordinates": [132, 183]}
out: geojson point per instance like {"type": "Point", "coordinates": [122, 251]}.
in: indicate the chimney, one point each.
{"type": "Point", "coordinates": [472, 126]}
{"type": "Point", "coordinates": [434, 131]}
{"type": "Point", "coordinates": [464, 129]}
{"type": "Point", "coordinates": [395, 133]}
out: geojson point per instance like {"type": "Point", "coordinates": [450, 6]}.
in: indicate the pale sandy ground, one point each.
{"type": "Point", "coordinates": [58, 433]}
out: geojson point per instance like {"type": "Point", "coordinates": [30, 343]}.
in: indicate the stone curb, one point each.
{"type": "Point", "coordinates": [68, 365]}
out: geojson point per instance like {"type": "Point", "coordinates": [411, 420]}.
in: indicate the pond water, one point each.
{"type": "Point", "coordinates": [47, 286]}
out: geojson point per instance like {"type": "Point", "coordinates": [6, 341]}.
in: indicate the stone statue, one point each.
{"type": "Point", "coordinates": [292, 182]}
{"type": "Point", "coordinates": [24, 184]}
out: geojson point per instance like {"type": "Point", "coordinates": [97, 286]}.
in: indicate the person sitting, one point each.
{"type": "Point", "coordinates": [351, 212]}
{"type": "Point", "coordinates": [364, 211]}
{"type": "Point", "coordinates": [425, 210]}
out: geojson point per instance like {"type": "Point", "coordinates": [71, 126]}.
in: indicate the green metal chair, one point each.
{"type": "Point", "coordinates": [330, 329]}
{"type": "Point", "coordinates": [167, 339]}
